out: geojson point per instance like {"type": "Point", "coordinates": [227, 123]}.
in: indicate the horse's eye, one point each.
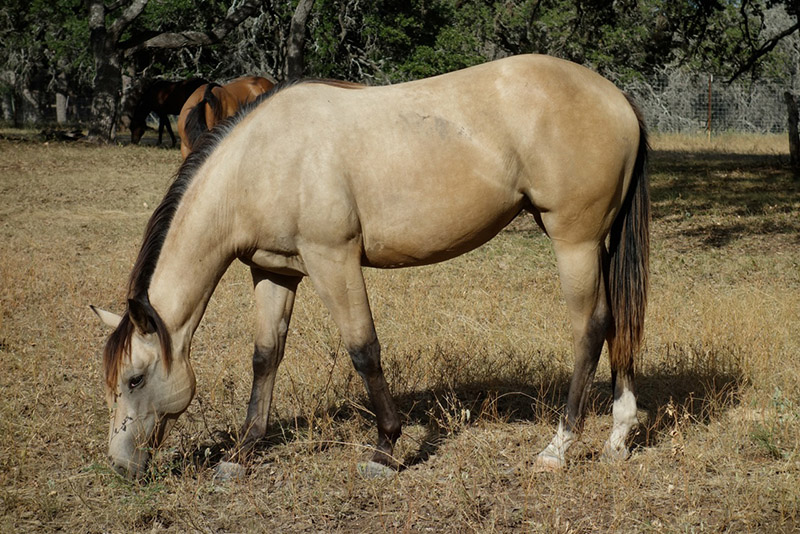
{"type": "Point", "coordinates": [135, 381]}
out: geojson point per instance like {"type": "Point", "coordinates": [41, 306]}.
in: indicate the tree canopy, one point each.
{"type": "Point", "coordinates": [101, 49]}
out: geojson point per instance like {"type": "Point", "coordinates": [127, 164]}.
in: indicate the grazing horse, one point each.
{"type": "Point", "coordinates": [163, 98]}
{"type": "Point", "coordinates": [210, 104]}
{"type": "Point", "coordinates": [321, 179]}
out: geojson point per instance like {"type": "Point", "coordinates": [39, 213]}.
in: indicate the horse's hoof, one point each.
{"type": "Point", "coordinates": [225, 471]}
{"type": "Point", "coordinates": [611, 454]}
{"type": "Point", "coordinates": [373, 470]}
{"type": "Point", "coordinates": [546, 463]}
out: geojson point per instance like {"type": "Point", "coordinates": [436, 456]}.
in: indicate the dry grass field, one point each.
{"type": "Point", "coordinates": [476, 351]}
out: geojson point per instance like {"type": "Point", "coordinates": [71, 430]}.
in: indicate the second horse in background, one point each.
{"type": "Point", "coordinates": [212, 103]}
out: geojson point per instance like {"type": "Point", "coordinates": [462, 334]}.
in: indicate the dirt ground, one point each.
{"type": "Point", "coordinates": [476, 350]}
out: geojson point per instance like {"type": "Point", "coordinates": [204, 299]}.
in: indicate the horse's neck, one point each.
{"type": "Point", "coordinates": [140, 113]}
{"type": "Point", "coordinates": [195, 255]}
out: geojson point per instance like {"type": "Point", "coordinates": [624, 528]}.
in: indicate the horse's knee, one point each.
{"type": "Point", "coordinates": [265, 358]}
{"type": "Point", "coordinates": [366, 358]}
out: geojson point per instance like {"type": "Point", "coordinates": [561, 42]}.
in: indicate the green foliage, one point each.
{"type": "Point", "coordinates": [179, 15]}
{"type": "Point", "coordinates": [46, 42]}
{"type": "Point", "coordinates": [44, 38]}
{"type": "Point", "coordinates": [414, 38]}
{"type": "Point", "coordinates": [734, 34]}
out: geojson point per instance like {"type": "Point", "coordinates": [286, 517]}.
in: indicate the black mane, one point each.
{"type": "Point", "coordinates": [118, 344]}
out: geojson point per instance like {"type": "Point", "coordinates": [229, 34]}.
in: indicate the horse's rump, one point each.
{"type": "Point", "coordinates": [214, 103]}
{"type": "Point", "coordinates": [196, 123]}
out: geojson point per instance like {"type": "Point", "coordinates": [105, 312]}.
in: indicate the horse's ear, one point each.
{"type": "Point", "coordinates": [141, 314]}
{"type": "Point", "coordinates": [109, 319]}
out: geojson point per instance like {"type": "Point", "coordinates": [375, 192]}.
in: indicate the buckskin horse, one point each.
{"type": "Point", "coordinates": [163, 98]}
{"type": "Point", "coordinates": [319, 180]}
{"type": "Point", "coordinates": [210, 104]}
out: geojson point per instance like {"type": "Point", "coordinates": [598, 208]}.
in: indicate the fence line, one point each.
{"type": "Point", "coordinates": [680, 102]}
{"type": "Point", "coordinates": [672, 102]}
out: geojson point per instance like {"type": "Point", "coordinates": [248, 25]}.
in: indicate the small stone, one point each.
{"type": "Point", "coordinates": [225, 471]}
{"type": "Point", "coordinates": [375, 470]}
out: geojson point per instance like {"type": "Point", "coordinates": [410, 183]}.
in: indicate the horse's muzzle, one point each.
{"type": "Point", "coordinates": [134, 468]}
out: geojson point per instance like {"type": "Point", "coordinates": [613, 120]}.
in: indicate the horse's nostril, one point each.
{"type": "Point", "coordinates": [119, 469]}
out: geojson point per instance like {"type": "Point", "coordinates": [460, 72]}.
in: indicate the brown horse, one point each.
{"type": "Point", "coordinates": [210, 104]}
{"type": "Point", "coordinates": [320, 180]}
{"type": "Point", "coordinates": [163, 98]}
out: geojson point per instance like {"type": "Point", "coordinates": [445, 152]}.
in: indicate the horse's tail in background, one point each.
{"type": "Point", "coordinates": [629, 250]}
{"type": "Point", "coordinates": [197, 121]}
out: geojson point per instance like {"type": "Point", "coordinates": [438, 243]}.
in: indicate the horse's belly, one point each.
{"type": "Point", "coordinates": [438, 235]}
{"type": "Point", "coordinates": [386, 255]}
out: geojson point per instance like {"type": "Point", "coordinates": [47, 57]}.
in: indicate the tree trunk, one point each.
{"type": "Point", "coordinates": [61, 108]}
{"type": "Point", "coordinates": [19, 119]}
{"type": "Point", "coordinates": [295, 62]}
{"type": "Point", "coordinates": [62, 99]}
{"type": "Point", "coordinates": [31, 106]}
{"type": "Point", "coordinates": [132, 88]}
{"type": "Point", "coordinates": [107, 78]}
{"type": "Point", "coordinates": [794, 136]}
{"type": "Point", "coordinates": [7, 105]}
{"type": "Point", "coordinates": [107, 86]}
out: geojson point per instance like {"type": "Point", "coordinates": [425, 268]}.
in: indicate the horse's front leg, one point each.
{"type": "Point", "coordinates": [274, 296]}
{"type": "Point", "coordinates": [168, 126]}
{"type": "Point", "coordinates": [337, 277]}
{"type": "Point", "coordinates": [161, 124]}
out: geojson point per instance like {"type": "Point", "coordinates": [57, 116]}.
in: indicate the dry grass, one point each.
{"type": "Point", "coordinates": [476, 351]}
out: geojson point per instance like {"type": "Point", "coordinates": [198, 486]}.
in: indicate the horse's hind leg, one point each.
{"type": "Point", "coordinates": [582, 280]}
{"type": "Point", "coordinates": [624, 412]}
{"type": "Point", "coordinates": [338, 279]}
{"type": "Point", "coordinates": [161, 124]}
{"type": "Point", "coordinates": [274, 296]}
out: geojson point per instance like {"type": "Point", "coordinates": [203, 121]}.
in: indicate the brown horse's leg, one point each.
{"type": "Point", "coordinates": [169, 131]}
{"type": "Point", "coordinates": [163, 122]}
{"type": "Point", "coordinates": [582, 280]}
{"type": "Point", "coordinates": [338, 279]}
{"type": "Point", "coordinates": [274, 301]}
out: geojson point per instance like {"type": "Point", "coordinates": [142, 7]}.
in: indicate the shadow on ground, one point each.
{"type": "Point", "coordinates": [714, 199]}
{"type": "Point", "coordinates": [667, 397]}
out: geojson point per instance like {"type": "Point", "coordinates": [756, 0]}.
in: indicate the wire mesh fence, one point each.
{"type": "Point", "coordinates": [674, 101]}
{"type": "Point", "coordinates": [690, 103]}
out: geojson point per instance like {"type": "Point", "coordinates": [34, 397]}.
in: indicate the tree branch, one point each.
{"type": "Point", "coordinates": [128, 15]}
{"type": "Point", "coordinates": [116, 5]}
{"type": "Point", "coordinates": [765, 49]}
{"type": "Point", "coordinates": [297, 36]}
{"type": "Point", "coordinates": [234, 17]}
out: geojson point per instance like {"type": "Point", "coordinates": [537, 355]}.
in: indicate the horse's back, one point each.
{"type": "Point", "coordinates": [179, 92]}
{"type": "Point", "coordinates": [247, 88]}
{"type": "Point", "coordinates": [426, 170]}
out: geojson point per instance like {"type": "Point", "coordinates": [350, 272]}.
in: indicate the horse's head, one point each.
{"type": "Point", "coordinates": [137, 130]}
{"type": "Point", "coordinates": [148, 385]}
{"type": "Point", "coordinates": [137, 123]}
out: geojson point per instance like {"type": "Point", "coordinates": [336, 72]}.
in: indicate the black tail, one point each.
{"type": "Point", "coordinates": [196, 120]}
{"type": "Point", "coordinates": [630, 257]}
